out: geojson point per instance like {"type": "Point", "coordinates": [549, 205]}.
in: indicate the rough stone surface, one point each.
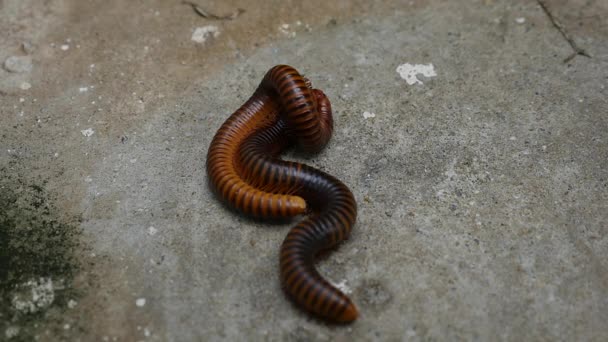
{"type": "Point", "coordinates": [482, 190]}
{"type": "Point", "coordinates": [18, 64]}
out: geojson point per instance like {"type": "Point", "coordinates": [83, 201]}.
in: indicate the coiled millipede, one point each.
{"type": "Point", "coordinates": [246, 172]}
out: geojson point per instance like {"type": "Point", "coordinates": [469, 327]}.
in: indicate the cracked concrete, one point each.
{"type": "Point", "coordinates": [482, 190]}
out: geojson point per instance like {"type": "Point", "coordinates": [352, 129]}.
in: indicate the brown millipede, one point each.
{"type": "Point", "coordinates": [224, 173]}
{"type": "Point", "coordinates": [245, 170]}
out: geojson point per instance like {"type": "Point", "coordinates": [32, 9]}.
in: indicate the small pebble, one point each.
{"type": "Point", "coordinates": [28, 47]}
{"type": "Point", "coordinates": [140, 302]}
{"type": "Point", "coordinates": [18, 64]}
{"type": "Point", "coordinates": [368, 115]}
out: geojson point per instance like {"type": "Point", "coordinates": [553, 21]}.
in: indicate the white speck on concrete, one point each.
{"type": "Point", "coordinates": [65, 47]}
{"type": "Point", "coordinates": [21, 100]}
{"type": "Point", "coordinates": [18, 64]}
{"type": "Point", "coordinates": [66, 326]}
{"type": "Point", "coordinates": [83, 89]}
{"type": "Point", "coordinates": [140, 302]}
{"type": "Point", "coordinates": [451, 171]}
{"type": "Point", "coordinates": [284, 29]}
{"type": "Point", "coordinates": [146, 332]}
{"type": "Point", "coordinates": [201, 34]}
{"type": "Point", "coordinates": [512, 138]}
{"type": "Point", "coordinates": [520, 20]}
{"type": "Point", "coordinates": [409, 72]}
{"type": "Point", "coordinates": [367, 115]}
{"type": "Point", "coordinates": [11, 332]}
{"type": "Point", "coordinates": [72, 303]}
{"type": "Point", "coordinates": [25, 86]}
{"type": "Point", "coordinates": [87, 132]}
{"type": "Point", "coordinates": [34, 295]}
{"type": "Point", "coordinates": [152, 231]}
{"type": "Point", "coordinates": [343, 287]}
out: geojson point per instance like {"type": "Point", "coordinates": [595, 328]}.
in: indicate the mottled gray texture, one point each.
{"type": "Point", "coordinates": [18, 64]}
{"type": "Point", "coordinates": [483, 192]}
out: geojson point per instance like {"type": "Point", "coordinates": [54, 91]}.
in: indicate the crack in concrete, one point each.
{"type": "Point", "coordinates": [564, 33]}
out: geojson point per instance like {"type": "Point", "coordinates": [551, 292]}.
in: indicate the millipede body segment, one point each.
{"type": "Point", "coordinates": [246, 172]}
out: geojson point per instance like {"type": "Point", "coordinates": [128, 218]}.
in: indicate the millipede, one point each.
{"type": "Point", "coordinates": [246, 172]}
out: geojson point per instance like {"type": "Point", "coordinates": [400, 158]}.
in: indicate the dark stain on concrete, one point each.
{"type": "Point", "coordinates": [37, 260]}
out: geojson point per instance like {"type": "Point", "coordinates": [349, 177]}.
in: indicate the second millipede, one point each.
{"type": "Point", "coordinates": [246, 172]}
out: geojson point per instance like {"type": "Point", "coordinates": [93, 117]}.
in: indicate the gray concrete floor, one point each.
{"type": "Point", "coordinates": [482, 189]}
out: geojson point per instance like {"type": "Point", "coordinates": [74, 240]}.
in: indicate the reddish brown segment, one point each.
{"type": "Point", "coordinates": [332, 213]}
{"type": "Point", "coordinates": [243, 159]}
{"type": "Point", "coordinates": [302, 114]}
{"type": "Point", "coordinates": [225, 175]}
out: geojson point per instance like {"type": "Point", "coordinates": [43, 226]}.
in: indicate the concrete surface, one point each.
{"type": "Point", "coordinates": [483, 189]}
